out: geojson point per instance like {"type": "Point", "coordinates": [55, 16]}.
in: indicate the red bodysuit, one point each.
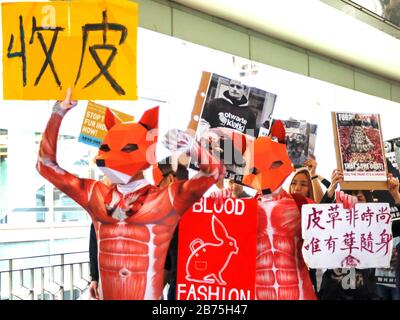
{"type": "Point", "coordinates": [134, 223]}
{"type": "Point", "coordinates": [280, 269]}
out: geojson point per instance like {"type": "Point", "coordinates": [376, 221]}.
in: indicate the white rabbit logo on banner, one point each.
{"type": "Point", "coordinates": [208, 260]}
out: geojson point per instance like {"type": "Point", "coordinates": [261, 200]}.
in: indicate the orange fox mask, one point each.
{"type": "Point", "coordinates": [128, 147]}
{"type": "Point", "coordinates": [268, 164]}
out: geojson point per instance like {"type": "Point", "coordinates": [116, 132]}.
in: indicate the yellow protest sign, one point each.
{"type": "Point", "coordinates": [88, 45]}
{"type": "Point", "coordinates": [93, 128]}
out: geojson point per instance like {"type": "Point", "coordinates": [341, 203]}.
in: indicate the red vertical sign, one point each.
{"type": "Point", "coordinates": [217, 251]}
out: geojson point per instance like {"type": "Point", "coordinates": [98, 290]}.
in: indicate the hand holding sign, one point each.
{"type": "Point", "coordinates": [179, 143]}
{"type": "Point", "coordinates": [67, 103]}
{"type": "Point", "coordinates": [62, 107]}
{"type": "Point", "coordinates": [347, 200]}
{"type": "Point", "coordinates": [393, 186]}
{"type": "Point", "coordinates": [311, 164]}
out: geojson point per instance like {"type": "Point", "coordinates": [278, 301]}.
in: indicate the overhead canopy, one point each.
{"type": "Point", "coordinates": [313, 25]}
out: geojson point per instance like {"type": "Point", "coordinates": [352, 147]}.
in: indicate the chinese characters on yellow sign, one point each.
{"type": "Point", "coordinates": [88, 45]}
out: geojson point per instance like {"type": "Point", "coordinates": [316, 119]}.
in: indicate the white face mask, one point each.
{"type": "Point", "coordinates": [115, 176]}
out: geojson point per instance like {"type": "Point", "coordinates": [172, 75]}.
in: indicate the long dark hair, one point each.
{"type": "Point", "coordinates": [310, 193]}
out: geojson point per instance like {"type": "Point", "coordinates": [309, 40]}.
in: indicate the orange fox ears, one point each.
{"type": "Point", "coordinates": [149, 119]}
{"type": "Point", "coordinates": [278, 131]}
{"type": "Point", "coordinates": [111, 119]}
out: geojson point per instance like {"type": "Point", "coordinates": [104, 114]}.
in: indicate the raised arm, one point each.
{"type": "Point", "coordinates": [74, 187]}
{"type": "Point", "coordinates": [393, 187]}
{"type": "Point", "coordinates": [311, 165]}
{"type": "Point", "coordinates": [185, 193]}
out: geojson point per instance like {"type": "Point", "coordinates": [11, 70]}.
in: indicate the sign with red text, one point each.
{"type": "Point", "coordinates": [217, 251]}
{"type": "Point", "coordinates": [335, 237]}
{"type": "Point", "coordinates": [359, 150]}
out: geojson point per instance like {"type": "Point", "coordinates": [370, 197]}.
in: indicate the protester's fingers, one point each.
{"type": "Point", "coordinates": [346, 201]}
{"type": "Point", "coordinates": [355, 201]}
{"type": "Point", "coordinates": [339, 178]}
{"type": "Point", "coordinates": [351, 202]}
{"type": "Point", "coordinates": [68, 95]}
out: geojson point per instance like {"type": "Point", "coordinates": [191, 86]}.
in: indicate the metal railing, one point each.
{"type": "Point", "coordinates": [43, 215]}
{"type": "Point", "coordinates": [47, 277]}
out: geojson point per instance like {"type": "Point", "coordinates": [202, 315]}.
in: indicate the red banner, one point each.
{"type": "Point", "coordinates": [217, 251]}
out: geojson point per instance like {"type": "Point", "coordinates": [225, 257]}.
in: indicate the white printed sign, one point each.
{"type": "Point", "coordinates": [335, 237]}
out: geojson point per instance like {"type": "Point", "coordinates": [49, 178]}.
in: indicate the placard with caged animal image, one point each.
{"type": "Point", "coordinates": [360, 151]}
{"type": "Point", "coordinates": [300, 140]}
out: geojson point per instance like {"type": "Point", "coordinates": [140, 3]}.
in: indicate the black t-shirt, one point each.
{"type": "Point", "coordinates": [230, 114]}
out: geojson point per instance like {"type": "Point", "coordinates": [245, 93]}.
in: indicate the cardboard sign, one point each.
{"type": "Point", "coordinates": [93, 128]}
{"type": "Point", "coordinates": [227, 114]}
{"type": "Point", "coordinates": [300, 140]}
{"type": "Point", "coordinates": [50, 46]}
{"type": "Point", "coordinates": [359, 151]}
{"type": "Point", "coordinates": [338, 238]}
{"type": "Point", "coordinates": [216, 242]}
{"type": "Point", "coordinates": [392, 152]}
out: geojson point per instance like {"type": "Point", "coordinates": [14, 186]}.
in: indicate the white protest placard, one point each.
{"type": "Point", "coordinates": [335, 237]}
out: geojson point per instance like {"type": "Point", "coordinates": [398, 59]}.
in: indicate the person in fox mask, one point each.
{"type": "Point", "coordinates": [134, 221]}
{"type": "Point", "coordinates": [281, 273]}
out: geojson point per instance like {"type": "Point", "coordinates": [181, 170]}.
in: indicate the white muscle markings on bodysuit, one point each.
{"type": "Point", "coordinates": [120, 213]}
{"type": "Point", "coordinates": [52, 165]}
{"type": "Point", "coordinates": [170, 195]}
{"type": "Point", "coordinates": [270, 232]}
{"type": "Point", "coordinates": [146, 217]}
{"type": "Point", "coordinates": [298, 272]}
{"type": "Point", "coordinates": [281, 277]}
{"type": "Point", "coordinates": [124, 254]}
{"type": "Point", "coordinates": [148, 294]}
{"type": "Point", "coordinates": [91, 190]}
{"type": "Point", "coordinates": [124, 238]}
